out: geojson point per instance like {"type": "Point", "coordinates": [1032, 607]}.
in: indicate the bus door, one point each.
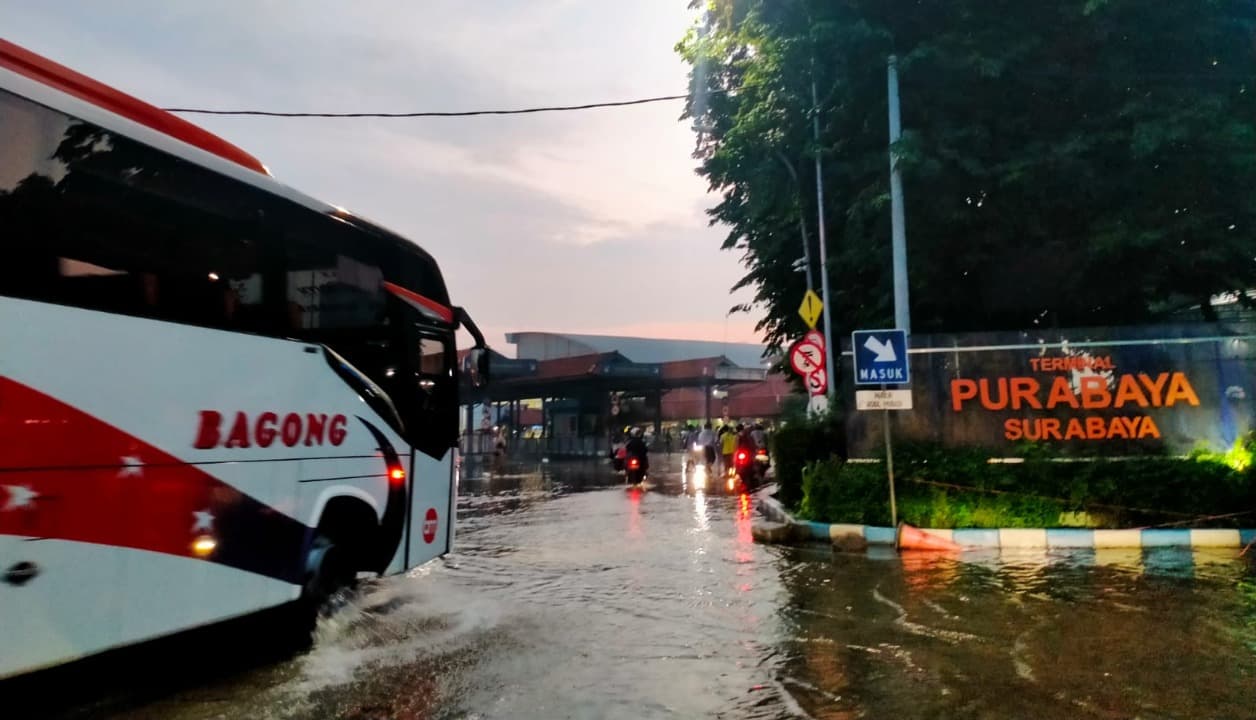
{"type": "Point", "coordinates": [433, 428]}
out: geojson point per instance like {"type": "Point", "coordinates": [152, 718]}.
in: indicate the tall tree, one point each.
{"type": "Point", "coordinates": [1075, 162]}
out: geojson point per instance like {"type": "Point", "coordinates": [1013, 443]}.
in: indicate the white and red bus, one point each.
{"type": "Point", "coordinates": [217, 395]}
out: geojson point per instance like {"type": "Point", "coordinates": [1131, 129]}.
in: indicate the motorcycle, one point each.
{"type": "Point", "coordinates": [634, 470]}
{"type": "Point", "coordinates": [746, 467]}
{"type": "Point", "coordinates": [696, 456]}
{"type": "Point", "coordinates": [762, 461]}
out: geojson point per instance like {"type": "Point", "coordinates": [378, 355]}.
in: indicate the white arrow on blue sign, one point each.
{"type": "Point", "coordinates": [880, 357]}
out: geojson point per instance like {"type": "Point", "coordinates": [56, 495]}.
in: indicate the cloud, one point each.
{"type": "Point", "coordinates": [584, 221]}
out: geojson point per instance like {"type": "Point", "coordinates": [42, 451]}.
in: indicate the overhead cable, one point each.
{"type": "Point", "coordinates": [430, 113]}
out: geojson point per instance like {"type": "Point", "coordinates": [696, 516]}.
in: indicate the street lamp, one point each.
{"type": "Point", "coordinates": [802, 223]}
{"type": "Point", "coordinates": [829, 349]}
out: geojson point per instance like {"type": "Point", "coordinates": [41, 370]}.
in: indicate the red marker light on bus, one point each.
{"type": "Point", "coordinates": [397, 474]}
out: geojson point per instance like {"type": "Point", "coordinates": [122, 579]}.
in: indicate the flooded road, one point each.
{"type": "Point", "coordinates": [569, 597]}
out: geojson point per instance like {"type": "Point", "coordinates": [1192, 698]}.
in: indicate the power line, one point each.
{"type": "Point", "coordinates": [1164, 77]}
{"type": "Point", "coordinates": [456, 113]}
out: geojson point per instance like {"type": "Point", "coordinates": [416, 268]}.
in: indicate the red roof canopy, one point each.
{"type": "Point", "coordinates": [570, 366]}
{"type": "Point", "coordinates": [689, 369]}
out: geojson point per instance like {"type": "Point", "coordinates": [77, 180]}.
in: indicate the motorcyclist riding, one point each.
{"type": "Point", "coordinates": [759, 436]}
{"type": "Point", "coordinates": [746, 449]}
{"type": "Point", "coordinates": [636, 447]}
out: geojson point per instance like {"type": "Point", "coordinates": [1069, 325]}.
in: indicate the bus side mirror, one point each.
{"type": "Point", "coordinates": [477, 366]}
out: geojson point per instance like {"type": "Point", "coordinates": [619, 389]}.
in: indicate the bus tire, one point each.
{"type": "Point", "coordinates": [327, 573]}
{"type": "Point", "coordinates": [329, 569]}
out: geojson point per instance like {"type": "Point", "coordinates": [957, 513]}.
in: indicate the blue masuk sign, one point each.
{"type": "Point", "coordinates": [880, 357]}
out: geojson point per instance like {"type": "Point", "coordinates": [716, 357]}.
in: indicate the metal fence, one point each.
{"type": "Point", "coordinates": [557, 447]}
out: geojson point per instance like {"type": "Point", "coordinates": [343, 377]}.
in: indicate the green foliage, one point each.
{"type": "Point", "coordinates": [939, 487]}
{"type": "Point", "coordinates": [801, 441]}
{"type": "Point", "coordinates": [836, 491]}
{"type": "Point", "coordinates": [943, 509]}
{"type": "Point", "coordinates": [1238, 457]}
{"type": "Point", "coordinates": [1079, 161]}
{"type": "Point", "coordinates": [1246, 629]}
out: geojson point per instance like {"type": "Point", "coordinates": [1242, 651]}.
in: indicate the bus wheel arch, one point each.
{"type": "Point", "coordinates": [342, 547]}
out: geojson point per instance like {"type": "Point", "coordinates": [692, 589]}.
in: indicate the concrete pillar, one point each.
{"type": "Point", "coordinates": [516, 439]}
{"type": "Point", "coordinates": [706, 398]}
{"type": "Point", "coordinates": [658, 413]}
{"type": "Point", "coordinates": [608, 423]}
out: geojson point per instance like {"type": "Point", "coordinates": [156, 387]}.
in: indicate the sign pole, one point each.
{"type": "Point", "coordinates": [880, 358]}
{"type": "Point", "coordinates": [810, 357]}
{"type": "Point", "coordinates": [889, 466]}
{"type": "Point", "coordinates": [898, 221]}
{"type": "Point", "coordinates": [898, 232]}
{"type": "Point", "coordinates": [829, 347]}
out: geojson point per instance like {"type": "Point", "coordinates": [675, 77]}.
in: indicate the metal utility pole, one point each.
{"type": "Point", "coordinates": [802, 221]}
{"type": "Point", "coordinates": [829, 348]}
{"type": "Point", "coordinates": [902, 313]}
{"type": "Point", "coordinates": [898, 236]}
{"type": "Point", "coordinates": [889, 466]}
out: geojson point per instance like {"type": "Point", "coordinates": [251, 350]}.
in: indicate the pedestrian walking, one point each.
{"type": "Point", "coordinates": [728, 446]}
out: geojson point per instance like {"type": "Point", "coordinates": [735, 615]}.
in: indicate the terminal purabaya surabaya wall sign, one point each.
{"type": "Point", "coordinates": [1090, 396]}
{"type": "Point", "coordinates": [1095, 391]}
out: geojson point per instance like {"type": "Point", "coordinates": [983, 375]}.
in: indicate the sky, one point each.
{"type": "Point", "coordinates": [580, 222]}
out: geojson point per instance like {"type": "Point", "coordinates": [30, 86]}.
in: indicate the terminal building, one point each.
{"type": "Point", "coordinates": [571, 394]}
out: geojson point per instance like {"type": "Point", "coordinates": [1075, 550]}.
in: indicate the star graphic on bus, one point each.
{"type": "Point", "coordinates": [204, 521]}
{"type": "Point", "coordinates": [132, 466]}
{"type": "Point", "coordinates": [20, 496]}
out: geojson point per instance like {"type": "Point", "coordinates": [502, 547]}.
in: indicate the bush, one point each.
{"type": "Point", "coordinates": [944, 487]}
{"type": "Point", "coordinates": [837, 491]}
{"type": "Point", "coordinates": [800, 442]}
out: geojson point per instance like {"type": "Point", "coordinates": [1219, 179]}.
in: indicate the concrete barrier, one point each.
{"type": "Point", "coordinates": [1193, 538]}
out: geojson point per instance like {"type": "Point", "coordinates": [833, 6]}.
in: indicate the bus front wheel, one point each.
{"type": "Point", "coordinates": [328, 572]}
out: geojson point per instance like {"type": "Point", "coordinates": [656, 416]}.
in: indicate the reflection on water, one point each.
{"type": "Point", "coordinates": [570, 596]}
{"type": "Point", "coordinates": [701, 522]}
{"type": "Point", "coordinates": [1024, 634]}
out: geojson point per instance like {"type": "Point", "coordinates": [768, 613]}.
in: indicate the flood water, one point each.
{"type": "Point", "coordinates": [569, 597]}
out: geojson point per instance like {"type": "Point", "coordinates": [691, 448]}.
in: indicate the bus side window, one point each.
{"type": "Point", "coordinates": [431, 357]}
{"type": "Point", "coordinates": [333, 275]}
{"type": "Point", "coordinates": [95, 220]}
{"type": "Point", "coordinates": [334, 295]}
